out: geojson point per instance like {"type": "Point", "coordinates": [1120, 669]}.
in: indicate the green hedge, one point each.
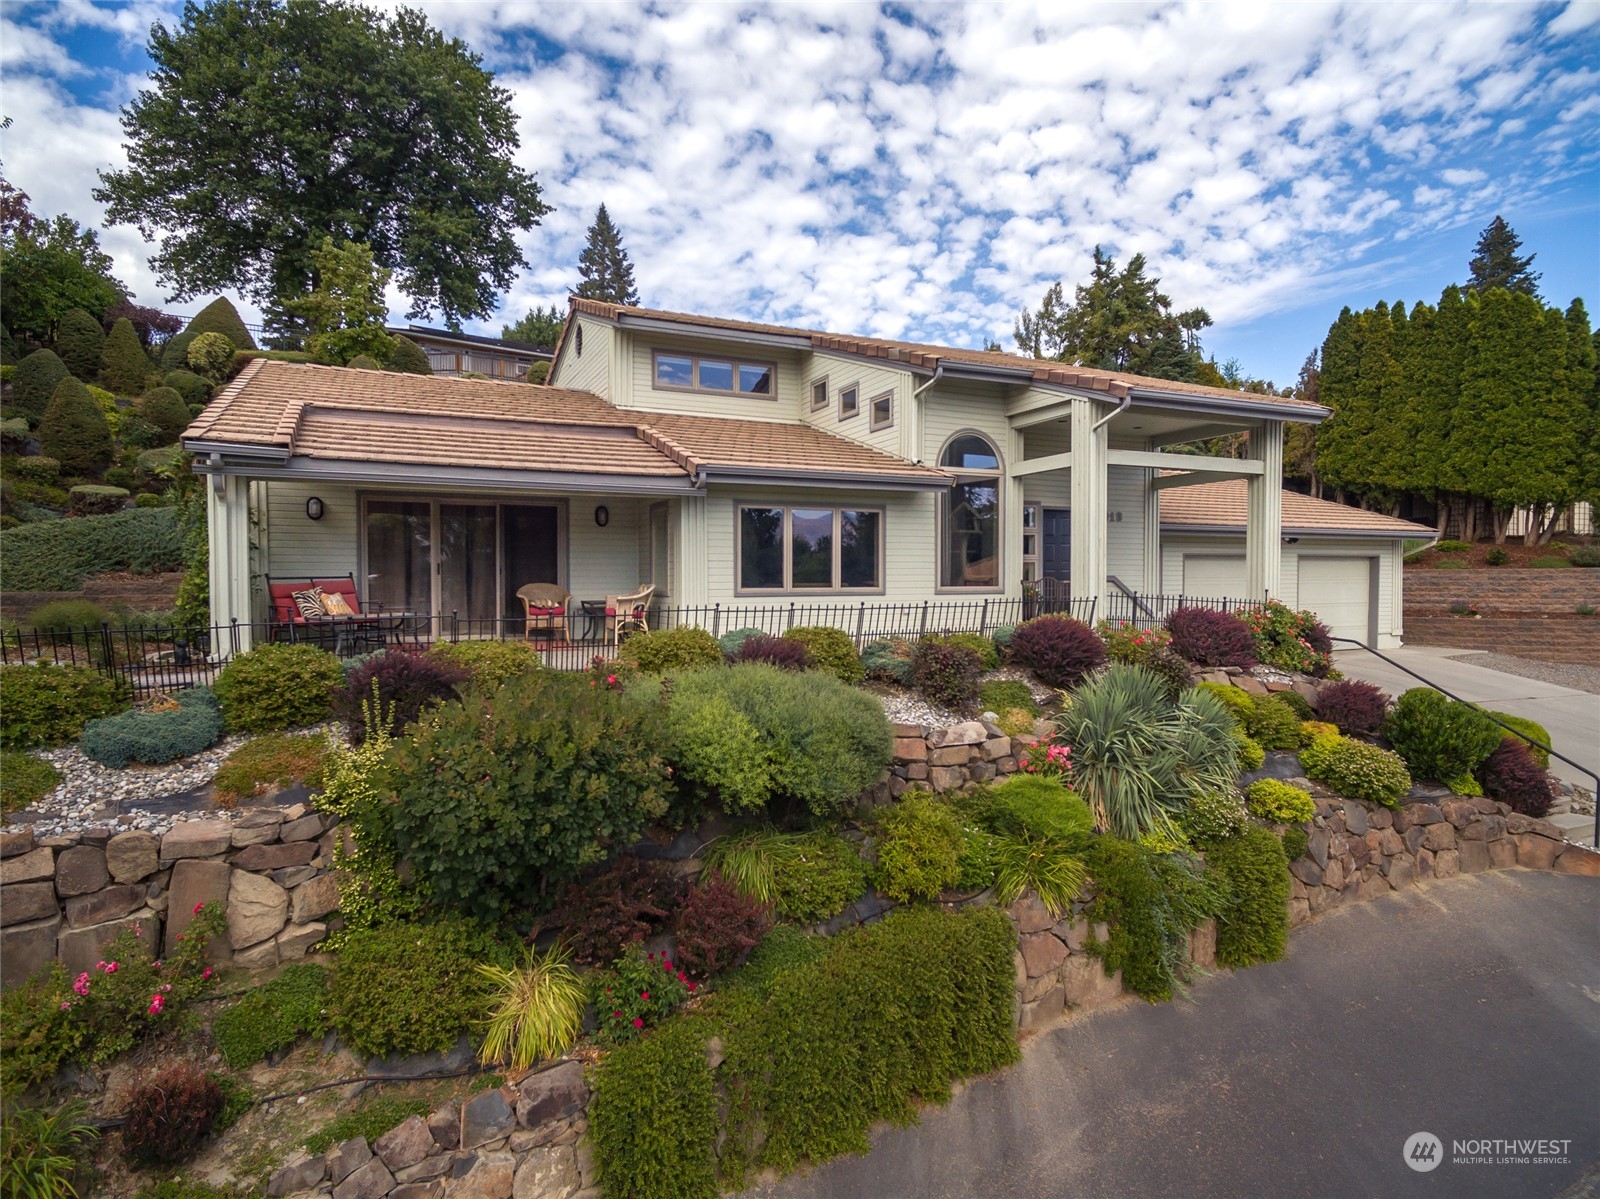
{"type": "Point", "coordinates": [56, 555]}
{"type": "Point", "coordinates": [48, 705]}
{"type": "Point", "coordinates": [155, 738]}
{"type": "Point", "coordinates": [1253, 925]}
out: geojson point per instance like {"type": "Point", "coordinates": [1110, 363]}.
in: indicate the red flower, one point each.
{"type": "Point", "coordinates": [645, 995]}
{"type": "Point", "coordinates": [691, 987]}
{"type": "Point", "coordinates": [637, 1022]}
{"type": "Point", "coordinates": [616, 1015]}
{"type": "Point", "coordinates": [197, 908]}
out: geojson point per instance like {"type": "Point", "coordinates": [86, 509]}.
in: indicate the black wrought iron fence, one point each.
{"type": "Point", "coordinates": [1151, 611]}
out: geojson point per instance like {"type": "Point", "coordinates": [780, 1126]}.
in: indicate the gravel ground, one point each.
{"type": "Point", "coordinates": [1562, 674]}
{"type": "Point", "coordinates": [906, 707]}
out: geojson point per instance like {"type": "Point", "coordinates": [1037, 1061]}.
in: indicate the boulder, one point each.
{"type": "Point", "coordinates": [1087, 985]}
{"type": "Point", "coordinates": [1503, 854]}
{"type": "Point", "coordinates": [419, 1190]}
{"type": "Point", "coordinates": [314, 899]}
{"type": "Point", "coordinates": [195, 882]}
{"type": "Point", "coordinates": [1041, 953]}
{"type": "Point", "coordinates": [22, 902]}
{"type": "Point", "coordinates": [80, 948]}
{"type": "Point", "coordinates": [26, 949]}
{"type": "Point", "coordinates": [257, 909]}
{"type": "Point", "coordinates": [301, 1173]}
{"type": "Point", "coordinates": [195, 839]}
{"type": "Point", "coordinates": [910, 749]}
{"type": "Point", "coordinates": [1446, 864]}
{"type": "Point", "coordinates": [968, 732]}
{"type": "Point", "coordinates": [486, 1176]}
{"type": "Point", "coordinates": [551, 1095]}
{"type": "Point", "coordinates": [307, 828]}
{"type": "Point", "coordinates": [262, 858]}
{"type": "Point", "coordinates": [254, 834]}
{"type": "Point", "coordinates": [13, 844]}
{"type": "Point", "coordinates": [133, 856]}
{"type": "Point", "coordinates": [405, 1144]}
{"type": "Point", "coordinates": [1045, 1010]}
{"type": "Point", "coordinates": [37, 865]}
{"type": "Point", "coordinates": [484, 1118]}
{"type": "Point", "coordinates": [1030, 915]}
{"type": "Point", "coordinates": [296, 940]}
{"type": "Point", "coordinates": [445, 1125]}
{"type": "Point", "coordinates": [370, 1181]}
{"type": "Point", "coordinates": [1307, 871]}
{"type": "Point", "coordinates": [256, 957]}
{"type": "Point", "coordinates": [109, 904]}
{"type": "Point", "coordinates": [1578, 860]}
{"type": "Point", "coordinates": [346, 1157]}
{"type": "Point", "coordinates": [1535, 852]}
{"type": "Point", "coordinates": [995, 748]}
{"type": "Point", "coordinates": [1203, 944]}
{"type": "Point", "coordinates": [1474, 856]}
{"type": "Point", "coordinates": [428, 1168]}
{"type": "Point", "coordinates": [81, 870]}
{"type": "Point", "coordinates": [1355, 818]}
{"type": "Point", "coordinates": [548, 1173]}
{"type": "Point", "coordinates": [1439, 836]}
{"type": "Point", "coordinates": [946, 778]}
{"type": "Point", "coordinates": [1251, 687]}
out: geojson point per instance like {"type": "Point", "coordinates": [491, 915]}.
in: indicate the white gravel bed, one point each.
{"type": "Point", "coordinates": [1563, 674]}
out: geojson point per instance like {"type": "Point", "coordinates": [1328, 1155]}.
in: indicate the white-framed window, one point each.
{"type": "Point", "coordinates": [880, 411]}
{"type": "Point", "coordinates": [969, 515]}
{"type": "Point", "coordinates": [707, 372]}
{"type": "Point", "coordinates": [1030, 542]}
{"type": "Point", "coordinates": [849, 401]}
{"type": "Point", "coordinates": [807, 549]}
{"type": "Point", "coordinates": [819, 394]}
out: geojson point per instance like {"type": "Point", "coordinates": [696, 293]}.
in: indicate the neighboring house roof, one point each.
{"type": "Point", "coordinates": [1115, 384]}
{"type": "Point", "coordinates": [421, 333]}
{"type": "Point", "coordinates": [1220, 507]}
{"type": "Point", "coordinates": [278, 410]}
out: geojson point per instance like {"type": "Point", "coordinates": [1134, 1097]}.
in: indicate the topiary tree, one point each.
{"type": "Point", "coordinates": [194, 390]}
{"type": "Point", "coordinates": [74, 430]}
{"type": "Point", "coordinates": [175, 354]}
{"type": "Point", "coordinates": [407, 358]}
{"type": "Point", "coordinates": [35, 381]}
{"type": "Point", "coordinates": [364, 362]}
{"type": "Point", "coordinates": [79, 343]}
{"type": "Point", "coordinates": [164, 408]}
{"type": "Point", "coordinates": [220, 316]}
{"type": "Point", "coordinates": [210, 355]}
{"type": "Point", "coordinates": [123, 365]}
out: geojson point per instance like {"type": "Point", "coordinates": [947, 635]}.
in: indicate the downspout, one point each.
{"type": "Point", "coordinates": [1122, 406]}
{"type": "Point", "coordinates": [916, 407]}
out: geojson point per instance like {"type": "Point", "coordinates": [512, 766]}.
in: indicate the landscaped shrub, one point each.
{"type": "Point", "coordinates": [79, 343]}
{"type": "Point", "coordinates": [37, 469]}
{"type": "Point", "coordinates": [489, 664]}
{"type": "Point", "coordinates": [1253, 925]}
{"type": "Point", "coordinates": [831, 650]}
{"type": "Point", "coordinates": [823, 877]}
{"type": "Point", "coordinates": [1129, 643]}
{"type": "Point", "coordinates": [376, 1112]}
{"type": "Point", "coordinates": [1354, 706]}
{"type": "Point", "coordinates": [1357, 770]}
{"type": "Point", "coordinates": [501, 797]}
{"type": "Point", "coordinates": [639, 991]}
{"type": "Point", "coordinates": [987, 653]}
{"type": "Point", "coordinates": [601, 916]}
{"type": "Point", "coordinates": [274, 760]}
{"type": "Point", "coordinates": [1279, 802]}
{"type": "Point", "coordinates": [919, 849]}
{"type": "Point", "coordinates": [273, 1016]}
{"type": "Point", "coordinates": [396, 687]}
{"type": "Point", "coordinates": [412, 988]}
{"type": "Point", "coordinates": [93, 499]}
{"type": "Point", "coordinates": [750, 734]}
{"type": "Point", "coordinates": [194, 390]}
{"type": "Point", "coordinates": [74, 430]}
{"type": "Point", "coordinates": [717, 926]}
{"type": "Point", "coordinates": [24, 780]}
{"type": "Point", "coordinates": [1173, 671]}
{"type": "Point", "coordinates": [1209, 637]}
{"type": "Point", "coordinates": [946, 675]}
{"type": "Point", "coordinates": [665, 650]}
{"type": "Point", "coordinates": [781, 652]}
{"type": "Point", "coordinates": [220, 316]}
{"type": "Point", "coordinates": [209, 356]}
{"type": "Point", "coordinates": [165, 409]}
{"type": "Point", "coordinates": [177, 729]}
{"type": "Point", "coordinates": [1290, 640]}
{"type": "Point", "coordinates": [170, 1116]}
{"type": "Point", "coordinates": [1137, 756]}
{"type": "Point", "coordinates": [1530, 732]}
{"type": "Point", "coordinates": [1238, 703]}
{"type": "Point", "coordinates": [1585, 555]}
{"type": "Point", "coordinates": [1036, 806]}
{"type": "Point", "coordinates": [49, 705]}
{"type": "Point", "coordinates": [1213, 816]}
{"type": "Point", "coordinates": [1452, 546]}
{"type": "Point", "coordinates": [1310, 730]}
{"type": "Point", "coordinates": [1059, 650]}
{"type": "Point", "coordinates": [537, 1009]}
{"type": "Point", "coordinates": [1439, 738]}
{"type": "Point", "coordinates": [1512, 776]}
{"type": "Point", "coordinates": [406, 357]}
{"type": "Point", "coordinates": [1302, 706]}
{"type": "Point", "coordinates": [68, 616]}
{"type": "Point", "coordinates": [1295, 842]}
{"type": "Point", "coordinates": [888, 661]}
{"type": "Point", "coordinates": [36, 378]}
{"type": "Point", "coordinates": [277, 686]}
{"type": "Point", "coordinates": [1001, 695]}
{"type": "Point", "coordinates": [1550, 562]}
{"type": "Point", "coordinates": [1274, 724]}
{"type": "Point", "coordinates": [42, 1150]}
{"type": "Point", "coordinates": [364, 362]}
{"type": "Point", "coordinates": [1150, 901]}
{"type": "Point", "coordinates": [733, 639]}
{"type": "Point", "coordinates": [1251, 755]}
{"type": "Point", "coordinates": [123, 365]}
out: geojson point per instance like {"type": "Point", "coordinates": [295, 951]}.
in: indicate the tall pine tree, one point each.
{"type": "Point", "coordinates": [1496, 263]}
{"type": "Point", "coordinates": [607, 273]}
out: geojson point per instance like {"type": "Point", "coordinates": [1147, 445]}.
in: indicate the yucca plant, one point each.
{"type": "Point", "coordinates": [750, 861]}
{"type": "Point", "coordinates": [537, 1009]}
{"type": "Point", "coordinates": [40, 1151]}
{"type": "Point", "coordinates": [1043, 865]}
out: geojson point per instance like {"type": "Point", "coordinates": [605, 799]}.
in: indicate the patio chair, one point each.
{"type": "Point", "coordinates": [289, 622]}
{"type": "Point", "coordinates": [628, 614]}
{"type": "Point", "coordinates": [544, 607]}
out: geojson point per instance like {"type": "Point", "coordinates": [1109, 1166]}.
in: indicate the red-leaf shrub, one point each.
{"type": "Point", "coordinates": [1209, 637]}
{"type": "Point", "coordinates": [1318, 637]}
{"type": "Point", "coordinates": [408, 685]}
{"type": "Point", "coordinates": [170, 1116]}
{"type": "Point", "coordinates": [618, 907]}
{"type": "Point", "coordinates": [1513, 777]}
{"type": "Point", "coordinates": [783, 652]}
{"type": "Point", "coordinates": [946, 674]}
{"type": "Point", "coordinates": [717, 927]}
{"type": "Point", "coordinates": [1354, 706]}
{"type": "Point", "coordinates": [1058, 649]}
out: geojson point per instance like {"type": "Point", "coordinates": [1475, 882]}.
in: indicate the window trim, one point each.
{"type": "Point", "coordinates": [963, 475]}
{"type": "Point", "coordinates": [854, 389]}
{"type": "Point", "coordinates": [788, 588]}
{"type": "Point", "coordinates": [822, 383]}
{"type": "Point", "coordinates": [694, 357]}
{"type": "Point", "coordinates": [873, 423]}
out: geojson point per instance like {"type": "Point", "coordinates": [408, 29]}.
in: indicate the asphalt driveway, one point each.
{"type": "Point", "coordinates": [1469, 1009]}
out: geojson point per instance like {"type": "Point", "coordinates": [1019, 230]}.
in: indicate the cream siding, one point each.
{"type": "Point", "coordinates": [591, 370]}
{"type": "Point", "coordinates": [640, 391]}
{"type": "Point", "coordinates": [872, 380]}
{"type": "Point", "coordinates": [295, 546]}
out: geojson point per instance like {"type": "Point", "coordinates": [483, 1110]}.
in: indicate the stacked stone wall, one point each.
{"type": "Point", "coordinates": [947, 759]}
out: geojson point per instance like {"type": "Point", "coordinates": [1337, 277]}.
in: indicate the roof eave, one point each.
{"type": "Point", "coordinates": [865, 480]}
{"type": "Point", "coordinates": [1300, 531]}
{"type": "Point", "coordinates": [715, 332]}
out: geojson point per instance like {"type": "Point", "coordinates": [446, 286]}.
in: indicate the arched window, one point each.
{"type": "Point", "coordinates": [969, 549]}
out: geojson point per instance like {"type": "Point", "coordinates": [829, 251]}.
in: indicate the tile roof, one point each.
{"type": "Point", "coordinates": [1222, 505]}
{"type": "Point", "coordinates": [334, 413]}
{"type": "Point", "coordinates": [1113, 383]}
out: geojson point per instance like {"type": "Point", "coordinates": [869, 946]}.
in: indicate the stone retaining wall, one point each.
{"type": "Point", "coordinates": [144, 593]}
{"type": "Point", "coordinates": [64, 898]}
{"type": "Point", "coordinates": [1501, 590]}
{"type": "Point", "coordinates": [945, 759]}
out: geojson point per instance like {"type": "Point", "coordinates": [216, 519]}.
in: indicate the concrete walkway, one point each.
{"type": "Point", "coordinates": [1571, 717]}
{"type": "Point", "coordinates": [1468, 1008]}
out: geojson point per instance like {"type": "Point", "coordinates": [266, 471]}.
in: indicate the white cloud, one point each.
{"type": "Point", "coordinates": [1458, 177]}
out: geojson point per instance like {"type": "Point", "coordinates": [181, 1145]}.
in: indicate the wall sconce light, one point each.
{"type": "Point", "coordinates": [1291, 541]}
{"type": "Point", "coordinates": [602, 515]}
{"type": "Point", "coordinates": [314, 509]}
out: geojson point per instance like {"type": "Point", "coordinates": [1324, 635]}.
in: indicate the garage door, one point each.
{"type": "Point", "coordinates": [1214, 577]}
{"type": "Point", "coordinates": [1338, 590]}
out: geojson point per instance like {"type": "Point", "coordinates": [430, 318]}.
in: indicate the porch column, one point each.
{"type": "Point", "coordinates": [1263, 537]}
{"type": "Point", "coordinates": [1089, 506]}
{"type": "Point", "coordinates": [228, 534]}
{"type": "Point", "coordinates": [1152, 536]}
{"type": "Point", "coordinates": [693, 586]}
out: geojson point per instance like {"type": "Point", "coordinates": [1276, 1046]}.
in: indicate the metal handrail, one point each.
{"type": "Point", "coordinates": [1133, 595]}
{"type": "Point", "coordinates": [1560, 757]}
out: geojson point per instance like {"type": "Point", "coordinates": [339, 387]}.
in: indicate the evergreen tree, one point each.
{"type": "Point", "coordinates": [607, 273]}
{"type": "Point", "coordinates": [407, 358]}
{"type": "Point", "coordinates": [79, 343]}
{"type": "Point", "coordinates": [219, 316]}
{"type": "Point", "coordinates": [123, 364]}
{"type": "Point", "coordinates": [35, 381]}
{"type": "Point", "coordinates": [1300, 440]}
{"type": "Point", "coordinates": [74, 431]}
{"type": "Point", "coordinates": [165, 410]}
{"type": "Point", "coordinates": [540, 328]}
{"type": "Point", "coordinates": [1496, 263]}
{"type": "Point", "coordinates": [1583, 377]}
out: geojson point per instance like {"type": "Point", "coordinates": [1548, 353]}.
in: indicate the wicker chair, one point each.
{"type": "Point", "coordinates": [627, 614]}
{"type": "Point", "coordinates": [544, 606]}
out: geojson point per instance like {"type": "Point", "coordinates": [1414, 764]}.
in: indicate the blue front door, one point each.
{"type": "Point", "coordinates": [1055, 543]}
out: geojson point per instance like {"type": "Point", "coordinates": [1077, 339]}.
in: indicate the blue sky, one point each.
{"type": "Point", "coordinates": [926, 171]}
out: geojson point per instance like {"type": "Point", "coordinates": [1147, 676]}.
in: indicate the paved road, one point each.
{"type": "Point", "coordinates": [1468, 1008]}
{"type": "Point", "coordinates": [1572, 717]}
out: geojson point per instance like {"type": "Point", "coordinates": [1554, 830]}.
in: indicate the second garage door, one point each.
{"type": "Point", "coordinates": [1339, 591]}
{"type": "Point", "coordinates": [1214, 576]}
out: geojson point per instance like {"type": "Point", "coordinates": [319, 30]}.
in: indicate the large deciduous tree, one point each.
{"type": "Point", "coordinates": [344, 313]}
{"type": "Point", "coordinates": [1119, 320]}
{"type": "Point", "coordinates": [607, 273]}
{"type": "Point", "coordinates": [48, 268]}
{"type": "Point", "coordinates": [539, 328]}
{"type": "Point", "coordinates": [269, 126]}
{"type": "Point", "coordinates": [1496, 263]}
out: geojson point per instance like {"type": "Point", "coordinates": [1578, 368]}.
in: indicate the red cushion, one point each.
{"type": "Point", "coordinates": [546, 611]}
